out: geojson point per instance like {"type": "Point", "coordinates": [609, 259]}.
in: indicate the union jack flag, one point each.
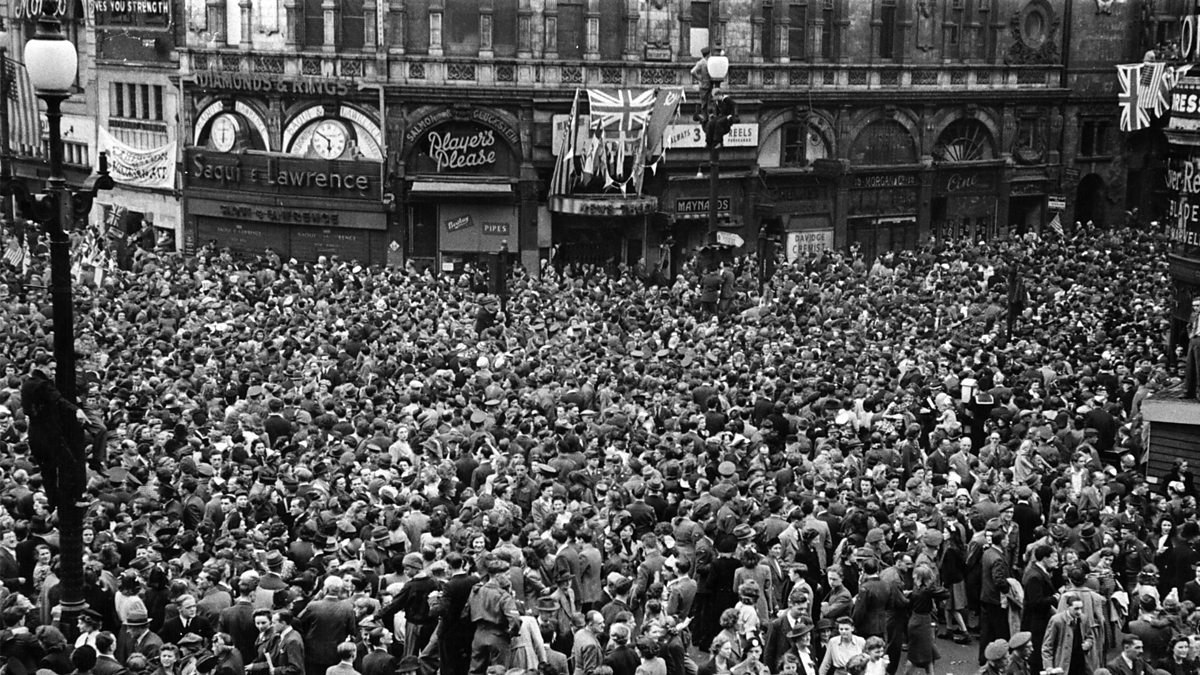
{"type": "Point", "coordinates": [624, 109]}
{"type": "Point", "coordinates": [1134, 116]}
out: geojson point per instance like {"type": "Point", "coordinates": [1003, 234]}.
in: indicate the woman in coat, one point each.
{"type": "Point", "coordinates": [921, 650]}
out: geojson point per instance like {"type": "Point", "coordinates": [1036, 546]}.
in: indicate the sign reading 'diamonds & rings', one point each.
{"type": "Point", "coordinates": [263, 84]}
{"type": "Point", "coordinates": [293, 176]}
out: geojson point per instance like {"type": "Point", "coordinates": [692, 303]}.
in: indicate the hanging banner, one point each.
{"type": "Point", "coordinates": [142, 168]}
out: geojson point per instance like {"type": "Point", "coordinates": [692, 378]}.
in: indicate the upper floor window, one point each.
{"type": "Point", "coordinates": [798, 31]}
{"type": "Point", "coordinates": [350, 22]}
{"type": "Point", "coordinates": [416, 26]}
{"type": "Point", "coordinates": [1094, 138]}
{"type": "Point", "coordinates": [829, 30]}
{"type": "Point", "coordinates": [888, 24]}
{"type": "Point", "coordinates": [702, 27]}
{"type": "Point", "coordinates": [572, 36]}
{"type": "Point", "coordinates": [460, 27]}
{"type": "Point", "coordinates": [133, 101]}
{"type": "Point", "coordinates": [766, 39]}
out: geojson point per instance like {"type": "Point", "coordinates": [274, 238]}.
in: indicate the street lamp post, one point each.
{"type": "Point", "coordinates": [52, 64]}
{"type": "Point", "coordinates": [718, 68]}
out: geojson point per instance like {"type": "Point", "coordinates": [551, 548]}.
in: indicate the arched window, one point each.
{"type": "Point", "coordinates": [800, 144]}
{"type": "Point", "coordinates": [884, 142]}
{"type": "Point", "coordinates": [964, 141]}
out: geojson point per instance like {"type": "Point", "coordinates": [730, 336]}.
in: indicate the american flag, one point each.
{"type": "Point", "coordinates": [14, 253]}
{"type": "Point", "coordinates": [1056, 224]}
{"type": "Point", "coordinates": [25, 119]}
{"type": "Point", "coordinates": [624, 109]}
{"type": "Point", "coordinates": [1134, 116]}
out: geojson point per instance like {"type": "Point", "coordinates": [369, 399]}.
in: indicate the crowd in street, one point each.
{"type": "Point", "coordinates": [311, 468]}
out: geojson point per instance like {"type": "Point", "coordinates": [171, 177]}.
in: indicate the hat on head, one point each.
{"type": "Point", "coordinates": [933, 538]}
{"type": "Point", "coordinates": [996, 650]}
{"type": "Point", "coordinates": [1148, 602]}
{"type": "Point", "coordinates": [274, 560]}
{"type": "Point", "coordinates": [799, 631]}
{"type": "Point", "coordinates": [874, 535]}
{"type": "Point", "coordinates": [137, 617]}
{"type": "Point", "coordinates": [1020, 640]}
{"type": "Point", "coordinates": [1058, 531]}
{"type": "Point", "coordinates": [825, 624]}
{"type": "Point", "coordinates": [191, 640]}
{"type": "Point", "coordinates": [727, 469]}
{"type": "Point", "coordinates": [743, 532]}
{"type": "Point", "coordinates": [546, 604]}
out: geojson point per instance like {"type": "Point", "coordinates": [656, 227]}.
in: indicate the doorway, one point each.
{"type": "Point", "coordinates": [1089, 200]}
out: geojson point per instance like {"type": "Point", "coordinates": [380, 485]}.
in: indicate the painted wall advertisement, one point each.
{"type": "Point", "coordinates": [142, 168]}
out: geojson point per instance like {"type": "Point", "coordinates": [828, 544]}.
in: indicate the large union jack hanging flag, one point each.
{"type": "Point", "coordinates": [622, 110]}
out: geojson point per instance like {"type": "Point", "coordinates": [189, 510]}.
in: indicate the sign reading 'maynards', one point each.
{"type": "Point", "coordinates": [281, 175]}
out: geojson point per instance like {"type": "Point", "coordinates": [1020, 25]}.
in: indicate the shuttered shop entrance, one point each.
{"type": "Point", "coordinates": [302, 243]}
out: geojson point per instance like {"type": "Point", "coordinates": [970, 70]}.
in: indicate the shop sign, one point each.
{"type": "Point", "coordinates": [619, 208]}
{"type": "Point", "coordinates": [729, 239]}
{"type": "Point", "coordinates": [476, 115]}
{"type": "Point", "coordinates": [683, 206]}
{"type": "Point", "coordinates": [454, 150]}
{"type": "Point", "coordinates": [258, 83]}
{"type": "Point", "coordinates": [273, 174]}
{"type": "Point", "coordinates": [1183, 210]}
{"type": "Point", "coordinates": [1056, 202]}
{"type": "Point", "coordinates": [498, 229]}
{"type": "Point", "coordinates": [966, 182]}
{"type": "Point", "coordinates": [459, 223]}
{"type": "Point", "coordinates": [887, 180]}
{"type": "Point", "coordinates": [1185, 106]}
{"type": "Point", "coordinates": [808, 243]}
{"type": "Point", "coordinates": [679, 136]}
{"type": "Point", "coordinates": [657, 53]}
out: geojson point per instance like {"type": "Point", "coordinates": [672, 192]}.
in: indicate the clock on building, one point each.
{"type": "Point", "coordinates": [329, 139]}
{"type": "Point", "coordinates": [225, 131]}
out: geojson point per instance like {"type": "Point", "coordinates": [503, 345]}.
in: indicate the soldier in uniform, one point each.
{"type": "Point", "coordinates": [492, 610]}
{"type": "Point", "coordinates": [1020, 648]}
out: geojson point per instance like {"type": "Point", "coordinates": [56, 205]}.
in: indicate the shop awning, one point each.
{"type": "Point", "coordinates": [459, 187]}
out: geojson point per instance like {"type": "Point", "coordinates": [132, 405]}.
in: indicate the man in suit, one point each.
{"type": "Point", "coordinates": [1070, 637]}
{"type": "Point", "coordinates": [136, 636]}
{"type": "Point", "coordinates": [325, 623]}
{"type": "Point", "coordinates": [380, 661]}
{"type": "Point", "coordinates": [681, 588]}
{"type": "Point", "coordinates": [187, 622]}
{"type": "Point", "coordinates": [590, 564]}
{"type": "Point", "coordinates": [276, 425]}
{"type": "Point", "coordinates": [1130, 661]}
{"type": "Point", "coordinates": [779, 630]}
{"type": "Point", "coordinates": [870, 604]}
{"type": "Point", "coordinates": [287, 651]}
{"type": "Point", "coordinates": [238, 622]}
{"type": "Point", "coordinates": [1040, 599]}
{"type": "Point", "coordinates": [454, 631]}
{"type": "Point", "coordinates": [106, 662]}
{"type": "Point", "coordinates": [586, 652]}
{"type": "Point", "coordinates": [993, 594]}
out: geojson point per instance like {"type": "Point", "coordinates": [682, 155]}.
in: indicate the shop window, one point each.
{"type": "Point", "coordinates": [416, 26]}
{"type": "Point", "coordinates": [504, 27]}
{"type": "Point", "coordinates": [888, 24]}
{"type": "Point", "coordinates": [1093, 138]}
{"type": "Point", "coordinates": [828, 29]}
{"type": "Point", "coordinates": [964, 141]}
{"type": "Point", "coordinates": [884, 142]}
{"type": "Point", "coordinates": [571, 30]}
{"type": "Point", "coordinates": [766, 40]}
{"type": "Point", "coordinates": [460, 27]}
{"type": "Point", "coordinates": [801, 144]}
{"type": "Point", "coordinates": [139, 102]}
{"type": "Point", "coordinates": [798, 31]}
{"type": "Point", "coordinates": [612, 29]}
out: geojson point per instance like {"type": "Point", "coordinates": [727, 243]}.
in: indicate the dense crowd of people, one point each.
{"type": "Point", "coordinates": [300, 469]}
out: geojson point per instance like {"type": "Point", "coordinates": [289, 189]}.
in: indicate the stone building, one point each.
{"type": "Point", "coordinates": [321, 127]}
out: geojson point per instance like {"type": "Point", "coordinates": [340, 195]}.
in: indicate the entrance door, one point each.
{"type": "Point", "coordinates": [1089, 200]}
{"type": "Point", "coordinates": [423, 245]}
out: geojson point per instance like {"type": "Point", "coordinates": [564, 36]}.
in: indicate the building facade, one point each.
{"type": "Point", "coordinates": [880, 123]}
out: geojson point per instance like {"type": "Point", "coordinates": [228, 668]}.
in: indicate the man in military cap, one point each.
{"type": "Point", "coordinates": [492, 609]}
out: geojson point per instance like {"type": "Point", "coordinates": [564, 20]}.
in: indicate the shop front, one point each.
{"type": "Point", "coordinates": [881, 211]}
{"type": "Point", "coordinates": [461, 195]}
{"type": "Point", "coordinates": [300, 208]}
{"type": "Point", "coordinates": [686, 206]}
{"type": "Point", "coordinates": [1027, 203]}
{"type": "Point", "coordinates": [965, 200]}
{"type": "Point", "coordinates": [602, 230]}
{"type": "Point", "coordinates": [798, 209]}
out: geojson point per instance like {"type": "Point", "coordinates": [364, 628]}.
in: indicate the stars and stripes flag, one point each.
{"type": "Point", "coordinates": [1056, 224]}
{"type": "Point", "coordinates": [625, 109]}
{"type": "Point", "coordinates": [563, 180]}
{"type": "Point", "coordinates": [14, 253]}
{"type": "Point", "coordinates": [1134, 116]}
{"type": "Point", "coordinates": [25, 118]}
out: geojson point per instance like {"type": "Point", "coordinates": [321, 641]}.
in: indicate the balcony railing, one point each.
{"type": "Point", "coordinates": [550, 74]}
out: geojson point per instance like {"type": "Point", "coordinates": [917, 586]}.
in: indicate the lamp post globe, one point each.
{"type": "Point", "coordinates": [50, 58]}
{"type": "Point", "coordinates": [718, 68]}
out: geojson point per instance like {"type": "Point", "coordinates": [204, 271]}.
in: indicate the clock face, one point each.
{"type": "Point", "coordinates": [224, 133]}
{"type": "Point", "coordinates": [329, 139]}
